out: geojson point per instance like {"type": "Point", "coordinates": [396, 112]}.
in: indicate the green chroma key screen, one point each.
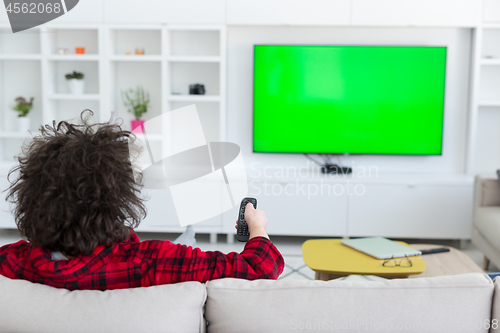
{"type": "Point", "coordinates": [349, 99]}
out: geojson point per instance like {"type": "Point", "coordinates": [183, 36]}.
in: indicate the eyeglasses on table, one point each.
{"type": "Point", "coordinates": [393, 262]}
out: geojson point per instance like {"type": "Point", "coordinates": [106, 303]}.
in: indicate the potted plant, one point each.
{"type": "Point", "coordinates": [23, 107]}
{"type": "Point", "coordinates": [76, 83]}
{"type": "Point", "coordinates": [137, 102]}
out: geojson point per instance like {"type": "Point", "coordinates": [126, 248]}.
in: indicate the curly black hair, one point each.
{"type": "Point", "coordinates": [74, 187]}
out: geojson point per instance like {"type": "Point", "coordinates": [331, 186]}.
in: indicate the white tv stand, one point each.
{"type": "Point", "coordinates": [391, 205]}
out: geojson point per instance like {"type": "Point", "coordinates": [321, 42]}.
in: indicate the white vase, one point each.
{"type": "Point", "coordinates": [76, 87]}
{"type": "Point", "coordinates": [23, 124]}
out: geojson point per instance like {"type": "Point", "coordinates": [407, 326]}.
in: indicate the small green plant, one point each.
{"type": "Point", "coordinates": [136, 100]}
{"type": "Point", "coordinates": [23, 106]}
{"type": "Point", "coordinates": [74, 75]}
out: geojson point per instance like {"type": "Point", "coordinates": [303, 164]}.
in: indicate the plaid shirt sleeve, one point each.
{"type": "Point", "coordinates": [133, 263]}
{"type": "Point", "coordinates": [260, 259]}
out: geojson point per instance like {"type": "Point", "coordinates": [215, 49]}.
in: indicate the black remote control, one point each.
{"type": "Point", "coordinates": [438, 250]}
{"type": "Point", "coordinates": [242, 233]}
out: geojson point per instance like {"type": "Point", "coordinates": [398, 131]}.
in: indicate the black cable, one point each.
{"type": "Point", "coordinates": [312, 159]}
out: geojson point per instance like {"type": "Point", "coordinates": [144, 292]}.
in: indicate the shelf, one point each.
{"type": "Point", "coordinates": [490, 61]}
{"type": "Point", "coordinates": [70, 97]}
{"type": "Point", "coordinates": [194, 59]}
{"type": "Point", "coordinates": [15, 135]}
{"type": "Point", "coordinates": [193, 28]}
{"type": "Point", "coordinates": [128, 40]}
{"type": "Point", "coordinates": [133, 57]}
{"type": "Point", "coordinates": [491, 26]}
{"type": "Point", "coordinates": [193, 98]}
{"type": "Point", "coordinates": [74, 57]}
{"type": "Point", "coordinates": [489, 103]}
{"type": "Point", "coordinates": [20, 57]}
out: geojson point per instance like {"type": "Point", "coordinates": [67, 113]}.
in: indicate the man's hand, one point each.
{"type": "Point", "coordinates": [256, 220]}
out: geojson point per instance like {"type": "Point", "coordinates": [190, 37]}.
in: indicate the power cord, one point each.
{"type": "Point", "coordinates": [328, 166]}
{"type": "Point", "coordinates": [312, 159]}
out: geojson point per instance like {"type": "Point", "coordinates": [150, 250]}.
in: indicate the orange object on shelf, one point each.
{"type": "Point", "coordinates": [79, 50]}
{"type": "Point", "coordinates": [139, 51]}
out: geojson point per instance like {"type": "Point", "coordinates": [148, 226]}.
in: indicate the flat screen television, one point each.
{"type": "Point", "coordinates": [349, 99]}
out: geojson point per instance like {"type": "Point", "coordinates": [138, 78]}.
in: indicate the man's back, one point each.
{"type": "Point", "coordinates": [132, 263]}
{"type": "Point", "coordinates": [75, 193]}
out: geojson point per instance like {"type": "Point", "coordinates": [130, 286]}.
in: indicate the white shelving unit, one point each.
{"type": "Point", "coordinates": [197, 54]}
{"type": "Point", "coordinates": [484, 120]}
{"type": "Point", "coordinates": [20, 75]}
{"type": "Point", "coordinates": [175, 56]}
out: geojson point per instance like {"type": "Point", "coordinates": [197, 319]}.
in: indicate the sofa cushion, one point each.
{"type": "Point", "coordinates": [31, 307]}
{"type": "Point", "coordinates": [459, 303]}
{"type": "Point", "coordinates": [490, 192]}
{"type": "Point", "coordinates": [487, 221]}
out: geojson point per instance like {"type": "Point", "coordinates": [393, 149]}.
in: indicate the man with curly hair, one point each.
{"type": "Point", "coordinates": [77, 203]}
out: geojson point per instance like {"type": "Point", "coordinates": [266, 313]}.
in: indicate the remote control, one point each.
{"type": "Point", "coordinates": [432, 251]}
{"type": "Point", "coordinates": [242, 233]}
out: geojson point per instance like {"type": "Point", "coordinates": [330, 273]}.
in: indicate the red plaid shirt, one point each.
{"type": "Point", "coordinates": [139, 264]}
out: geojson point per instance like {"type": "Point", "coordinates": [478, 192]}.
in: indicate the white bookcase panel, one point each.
{"type": "Point", "coordinates": [194, 43]}
{"type": "Point", "coordinates": [487, 160]}
{"type": "Point", "coordinates": [126, 75]}
{"type": "Point", "coordinates": [19, 78]}
{"type": "Point", "coordinates": [71, 97]}
{"type": "Point", "coordinates": [59, 69]}
{"type": "Point", "coordinates": [10, 148]}
{"type": "Point", "coordinates": [24, 42]}
{"type": "Point", "coordinates": [484, 119]}
{"type": "Point", "coordinates": [72, 38]}
{"type": "Point", "coordinates": [123, 41]}
{"type": "Point", "coordinates": [184, 74]}
{"type": "Point", "coordinates": [489, 86]}
{"type": "Point", "coordinates": [6, 217]}
{"type": "Point", "coordinates": [491, 43]}
{"type": "Point", "coordinates": [71, 109]}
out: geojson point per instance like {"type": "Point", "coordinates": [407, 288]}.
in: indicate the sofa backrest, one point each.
{"type": "Point", "coordinates": [460, 303]}
{"type": "Point", "coordinates": [486, 192]}
{"type": "Point", "coordinates": [30, 307]}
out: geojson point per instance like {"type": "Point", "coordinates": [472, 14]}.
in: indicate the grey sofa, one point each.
{"type": "Point", "coordinates": [459, 303]}
{"type": "Point", "coordinates": [486, 219]}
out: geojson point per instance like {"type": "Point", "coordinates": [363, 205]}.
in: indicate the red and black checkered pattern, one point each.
{"type": "Point", "coordinates": [139, 264]}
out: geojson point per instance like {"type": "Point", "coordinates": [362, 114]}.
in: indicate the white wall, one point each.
{"type": "Point", "coordinates": [240, 90]}
{"type": "Point", "coordinates": [437, 13]}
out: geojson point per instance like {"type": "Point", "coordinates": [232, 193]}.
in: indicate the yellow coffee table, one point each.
{"type": "Point", "coordinates": [329, 256]}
